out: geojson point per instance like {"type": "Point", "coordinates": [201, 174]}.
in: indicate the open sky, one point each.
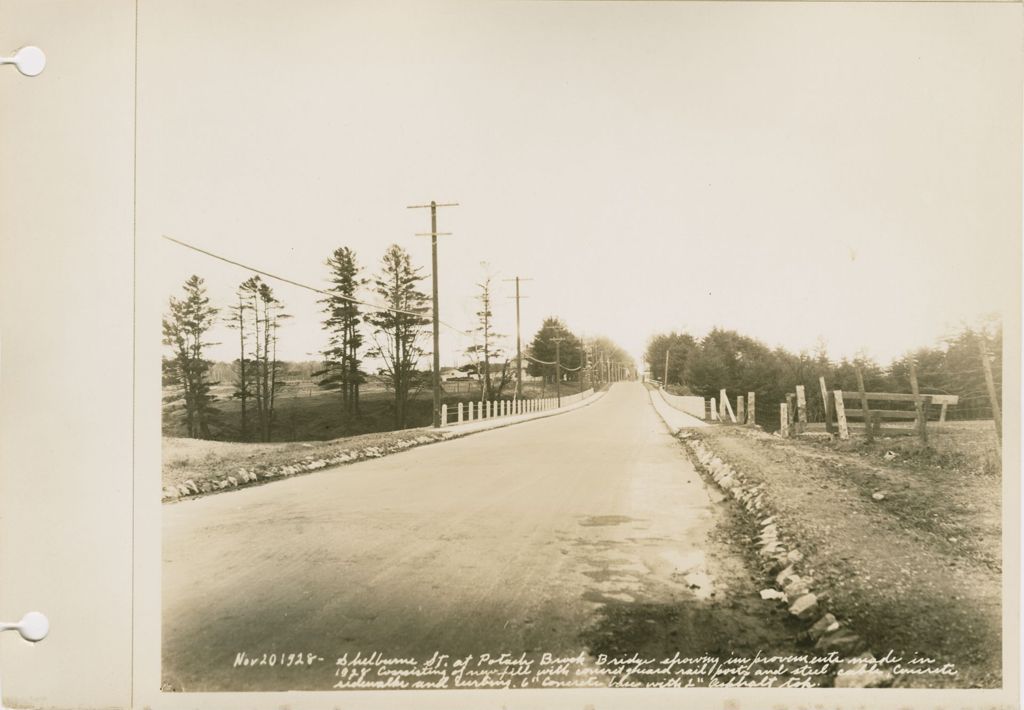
{"type": "Point", "coordinates": [794, 171]}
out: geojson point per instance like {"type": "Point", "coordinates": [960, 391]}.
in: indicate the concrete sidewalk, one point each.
{"type": "Point", "coordinates": [673, 418]}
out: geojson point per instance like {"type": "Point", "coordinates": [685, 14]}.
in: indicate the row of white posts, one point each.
{"type": "Point", "coordinates": [474, 411]}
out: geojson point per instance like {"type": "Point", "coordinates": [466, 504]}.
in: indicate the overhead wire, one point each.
{"type": "Point", "coordinates": [425, 316]}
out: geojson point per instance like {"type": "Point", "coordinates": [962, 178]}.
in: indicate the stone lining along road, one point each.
{"type": "Point", "coordinates": [585, 533]}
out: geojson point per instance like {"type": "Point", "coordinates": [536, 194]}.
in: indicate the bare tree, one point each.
{"type": "Point", "coordinates": [485, 349]}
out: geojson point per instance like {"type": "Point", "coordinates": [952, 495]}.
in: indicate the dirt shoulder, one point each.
{"type": "Point", "coordinates": [905, 540]}
{"type": "Point", "coordinates": [194, 467]}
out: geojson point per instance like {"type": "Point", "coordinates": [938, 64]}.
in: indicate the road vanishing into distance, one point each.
{"type": "Point", "coordinates": [587, 532]}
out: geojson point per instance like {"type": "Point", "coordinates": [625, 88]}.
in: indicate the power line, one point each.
{"type": "Point", "coordinates": [261, 272]}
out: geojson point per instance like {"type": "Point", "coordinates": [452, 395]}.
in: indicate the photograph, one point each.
{"type": "Point", "coordinates": [512, 346]}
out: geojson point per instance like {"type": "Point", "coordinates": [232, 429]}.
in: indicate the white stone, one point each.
{"type": "Point", "coordinates": [805, 606]}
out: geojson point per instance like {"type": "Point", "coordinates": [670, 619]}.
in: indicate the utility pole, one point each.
{"type": "Point", "coordinates": [519, 342]}
{"type": "Point", "coordinates": [583, 363]}
{"type": "Point", "coordinates": [558, 369]}
{"type": "Point", "coordinates": [668, 349]}
{"type": "Point", "coordinates": [434, 234]}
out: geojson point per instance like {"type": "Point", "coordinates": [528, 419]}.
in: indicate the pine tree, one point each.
{"type": "Point", "coordinates": [396, 334]}
{"type": "Point", "coordinates": [267, 314]}
{"type": "Point", "coordinates": [543, 348]}
{"type": "Point", "coordinates": [184, 330]}
{"type": "Point", "coordinates": [342, 365]}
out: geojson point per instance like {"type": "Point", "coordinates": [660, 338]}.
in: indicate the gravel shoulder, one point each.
{"type": "Point", "coordinates": [905, 539]}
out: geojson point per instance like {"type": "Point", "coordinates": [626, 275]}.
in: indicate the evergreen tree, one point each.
{"type": "Point", "coordinates": [243, 367]}
{"type": "Point", "coordinates": [542, 347]}
{"type": "Point", "coordinates": [267, 314]}
{"type": "Point", "coordinates": [342, 365]}
{"type": "Point", "coordinates": [184, 331]}
{"type": "Point", "coordinates": [398, 332]}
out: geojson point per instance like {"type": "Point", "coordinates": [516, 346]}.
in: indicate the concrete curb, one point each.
{"type": "Point", "coordinates": [781, 559]}
{"type": "Point", "coordinates": [245, 477]}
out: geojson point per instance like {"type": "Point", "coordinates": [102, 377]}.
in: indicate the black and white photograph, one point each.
{"type": "Point", "coordinates": [583, 354]}
{"type": "Point", "coordinates": [577, 345]}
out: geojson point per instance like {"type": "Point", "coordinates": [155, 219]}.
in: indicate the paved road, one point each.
{"type": "Point", "coordinates": [589, 531]}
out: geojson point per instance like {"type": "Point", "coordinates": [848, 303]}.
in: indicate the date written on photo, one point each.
{"type": "Point", "coordinates": [506, 671]}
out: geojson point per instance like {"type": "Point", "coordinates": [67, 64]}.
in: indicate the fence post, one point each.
{"type": "Point", "coordinates": [728, 408]}
{"type": "Point", "coordinates": [460, 413]}
{"type": "Point", "coordinates": [471, 410]}
{"type": "Point", "coordinates": [801, 407]}
{"type": "Point", "coordinates": [714, 411]}
{"type": "Point", "coordinates": [828, 410]}
{"type": "Point", "coordinates": [986, 366]}
{"type": "Point", "coordinates": [844, 429]}
{"type": "Point", "coordinates": [783, 419]}
{"type": "Point", "coordinates": [722, 399]}
{"type": "Point", "coordinates": [922, 413]}
{"type": "Point", "coordinates": [741, 410]}
{"type": "Point", "coordinates": [444, 415]}
{"type": "Point", "coordinates": [791, 410]}
{"type": "Point", "coordinates": [751, 410]}
{"type": "Point", "coordinates": [709, 406]}
{"type": "Point", "coordinates": [864, 406]}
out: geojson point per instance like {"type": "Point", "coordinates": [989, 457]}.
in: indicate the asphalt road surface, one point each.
{"type": "Point", "coordinates": [588, 532]}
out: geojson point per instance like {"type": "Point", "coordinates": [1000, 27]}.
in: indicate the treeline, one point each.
{"type": "Point", "coordinates": [395, 331]}
{"type": "Point", "coordinates": [391, 334]}
{"type": "Point", "coordinates": [596, 358]}
{"type": "Point", "coordinates": [740, 364]}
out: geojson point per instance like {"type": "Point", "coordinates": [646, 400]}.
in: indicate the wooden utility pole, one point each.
{"type": "Point", "coordinates": [519, 342]}
{"type": "Point", "coordinates": [668, 349]}
{"type": "Point", "coordinates": [583, 363]}
{"type": "Point", "coordinates": [558, 369]}
{"type": "Point", "coordinates": [434, 234]}
{"type": "Point", "coordinates": [997, 415]}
